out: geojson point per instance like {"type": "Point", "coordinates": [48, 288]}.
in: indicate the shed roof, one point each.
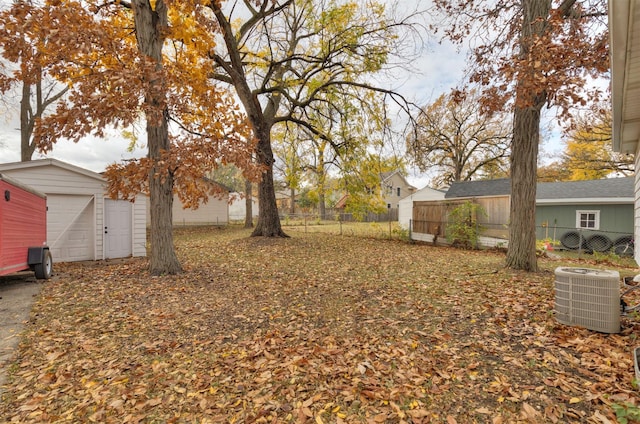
{"type": "Point", "coordinates": [620, 189]}
{"type": "Point", "coordinates": [36, 163]}
{"type": "Point", "coordinates": [479, 188]}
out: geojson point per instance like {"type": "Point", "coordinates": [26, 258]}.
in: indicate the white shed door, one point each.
{"type": "Point", "coordinates": [117, 228]}
{"type": "Point", "coordinates": [70, 227]}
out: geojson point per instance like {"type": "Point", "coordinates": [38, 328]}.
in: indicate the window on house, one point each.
{"type": "Point", "coordinates": [398, 191]}
{"type": "Point", "coordinates": [589, 220]}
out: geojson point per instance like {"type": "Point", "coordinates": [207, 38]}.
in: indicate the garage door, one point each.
{"type": "Point", "coordinates": [70, 227]}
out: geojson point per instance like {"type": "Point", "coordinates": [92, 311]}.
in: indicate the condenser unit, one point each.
{"type": "Point", "coordinates": [588, 298]}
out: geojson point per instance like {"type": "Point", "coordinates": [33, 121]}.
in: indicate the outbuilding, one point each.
{"type": "Point", "coordinates": [83, 223]}
{"type": "Point", "coordinates": [215, 211]}
{"type": "Point", "coordinates": [595, 214]}
{"type": "Point", "coordinates": [405, 205]}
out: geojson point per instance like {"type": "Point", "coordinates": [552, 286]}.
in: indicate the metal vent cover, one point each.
{"type": "Point", "coordinates": [588, 298]}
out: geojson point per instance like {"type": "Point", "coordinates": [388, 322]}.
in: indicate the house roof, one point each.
{"type": "Point", "coordinates": [385, 176]}
{"type": "Point", "coordinates": [222, 186]}
{"type": "Point", "coordinates": [605, 188]}
{"type": "Point", "coordinates": [624, 33]}
{"type": "Point", "coordinates": [608, 190]}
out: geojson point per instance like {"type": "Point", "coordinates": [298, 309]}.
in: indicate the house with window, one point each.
{"type": "Point", "coordinates": [394, 187]}
{"type": "Point", "coordinates": [573, 212]}
{"type": "Point", "coordinates": [596, 214]}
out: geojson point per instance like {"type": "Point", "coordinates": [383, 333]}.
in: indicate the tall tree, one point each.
{"type": "Point", "coordinates": [530, 54]}
{"type": "Point", "coordinates": [289, 163]}
{"type": "Point", "coordinates": [285, 55]}
{"type": "Point", "coordinates": [457, 142]}
{"type": "Point", "coordinates": [26, 69]}
{"type": "Point", "coordinates": [152, 24]}
{"type": "Point", "coordinates": [588, 153]}
{"type": "Point", "coordinates": [116, 76]}
{"type": "Point", "coordinates": [361, 177]}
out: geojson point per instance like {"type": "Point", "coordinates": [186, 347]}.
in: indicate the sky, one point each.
{"type": "Point", "coordinates": [438, 69]}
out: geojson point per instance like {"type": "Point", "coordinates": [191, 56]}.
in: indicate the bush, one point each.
{"type": "Point", "coordinates": [463, 229]}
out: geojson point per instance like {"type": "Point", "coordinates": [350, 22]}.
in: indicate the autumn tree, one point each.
{"type": "Point", "coordinates": [455, 141]}
{"type": "Point", "coordinates": [529, 54]}
{"type": "Point", "coordinates": [157, 73]}
{"type": "Point", "coordinates": [321, 160]}
{"type": "Point", "coordinates": [588, 154]}
{"type": "Point", "coordinates": [361, 180]}
{"type": "Point", "coordinates": [282, 57]}
{"type": "Point", "coordinates": [25, 69]}
{"type": "Point", "coordinates": [289, 162]}
{"type": "Point", "coordinates": [553, 172]}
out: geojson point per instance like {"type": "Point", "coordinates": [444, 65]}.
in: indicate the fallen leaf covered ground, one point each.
{"type": "Point", "coordinates": [317, 329]}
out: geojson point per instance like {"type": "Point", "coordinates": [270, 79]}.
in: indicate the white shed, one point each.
{"type": "Point", "coordinates": [405, 206]}
{"type": "Point", "coordinates": [214, 212]}
{"type": "Point", "coordinates": [82, 222]}
{"type": "Point", "coordinates": [238, 207]}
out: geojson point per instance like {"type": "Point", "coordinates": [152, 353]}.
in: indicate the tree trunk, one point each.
{"type": "Point", "coordinates": [322, 179]}
{"type": "Point", "coordinates": [526, 137]}
{"type": "Point", "coordinates": [524, 158]}
{"type": "Point", "coordinates": [163, 256]}
{"type": "Point", "coordinates": [292, 206]}
{"type": "Point", "coordinates": [26, 124]}
{"type": "Point", "coordinates": [248, 203]}
{"type": "Point", "coordinates": [150, 27]}
{"type": "Point", "coordinates": [268, 220]}
{"type": "Point", "coordinates": [322, 206]}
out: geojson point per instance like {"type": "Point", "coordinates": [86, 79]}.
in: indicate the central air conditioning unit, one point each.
{"type": "Point", "coordinates": [588, 298]}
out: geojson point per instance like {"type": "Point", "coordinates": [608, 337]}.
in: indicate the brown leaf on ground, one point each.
{"type": "Point", "coordinates": [315, 328]}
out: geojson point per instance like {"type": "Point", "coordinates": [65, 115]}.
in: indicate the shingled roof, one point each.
{"type": "Point", "coordinates": [608, 188]}
{"type": "Point", "coordinates": [605, 188]}
{"type": "Point", "coordinates": [479, 188]}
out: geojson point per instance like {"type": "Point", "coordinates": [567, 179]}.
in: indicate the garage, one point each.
{"type": "Point", "coordinates": [70, 227]}
{"type": "Point", "coordinates": [82, 222]}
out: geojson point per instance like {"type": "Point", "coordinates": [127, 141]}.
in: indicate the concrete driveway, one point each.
{"type": "Point", "coordinates": [17, 294]}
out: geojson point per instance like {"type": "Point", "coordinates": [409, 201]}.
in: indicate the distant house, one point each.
{"type": "Point", "coordinates": [576, 209]}
{"type": "Point", "coordinates": [394, 187]}
{"type": "Point", "coordinates": [238, 207]}
{"type": "Point", "coordinates": [83, 223]}
{"type": "Point", "coordinates": [214, 212]}
{"type": "Point", "coordinates": [283, 202]}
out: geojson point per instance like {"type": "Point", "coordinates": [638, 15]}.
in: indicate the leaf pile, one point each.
{"type": "Point", "coordinates": [315, 329]}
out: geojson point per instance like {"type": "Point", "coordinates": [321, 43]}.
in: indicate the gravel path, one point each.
{"type": "Point", "coordinates": [17, 294]}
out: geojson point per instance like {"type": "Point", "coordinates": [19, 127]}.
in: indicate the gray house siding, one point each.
{"type": "Point", "coordinates": [615, 220]}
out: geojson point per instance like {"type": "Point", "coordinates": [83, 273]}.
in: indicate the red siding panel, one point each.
{"type": "Point", "coordinates": [23, 224]}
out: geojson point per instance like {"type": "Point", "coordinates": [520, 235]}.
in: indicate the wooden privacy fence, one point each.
{"type": "Point", "coordinates": [430, 218]}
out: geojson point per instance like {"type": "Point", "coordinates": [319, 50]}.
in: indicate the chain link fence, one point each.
{"type": "Point", "coordinates": [494, 234]}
